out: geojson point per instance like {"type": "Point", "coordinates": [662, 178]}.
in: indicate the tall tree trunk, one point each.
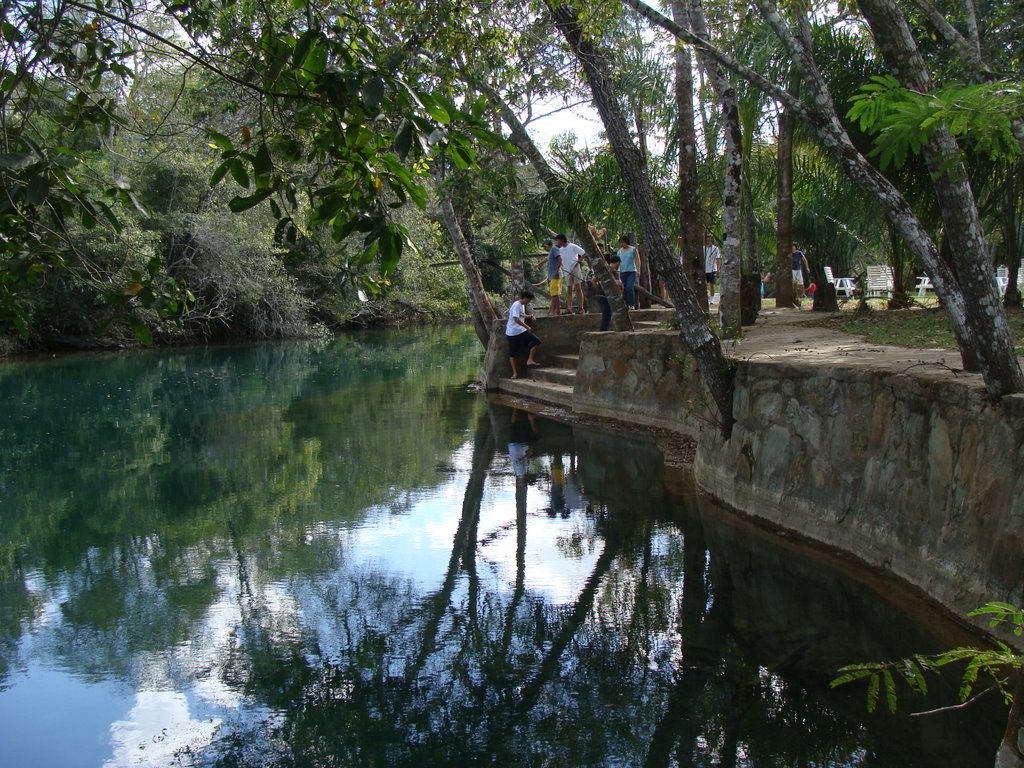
{"type": "Point", "coordinates": [971, 253]}
{"type": "Point", "coordinates": [729, 277]}
{"type": "Point", "coordinates": [692, 240]}
{"type": "Point", "coordinates": [716, 371]}
{"type": "Point", "coordinates": [784, 210]}
{"type": "Point", "coordinates": [474, 281]}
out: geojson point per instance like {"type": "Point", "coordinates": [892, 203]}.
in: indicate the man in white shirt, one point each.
{"type": "Point", "coordinates": [519, 335]}
{"type": "Point", "coordinates": [572, 255]}
{"type": "Point", "coordinates": [712, 261]}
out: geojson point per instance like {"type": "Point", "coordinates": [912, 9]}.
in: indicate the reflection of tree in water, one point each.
{"type": "Point", "coordinates": [128, 479]}
{"type": "Point", "coordinates": [659, 660]}
{"type": "Point", "coordinates": [683, 645]}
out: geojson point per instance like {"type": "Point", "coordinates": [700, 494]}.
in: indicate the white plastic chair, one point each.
{"type": "Point", "coordinates": [880, 282]}
{"type": "Point", "coordinates": [844, 285]}
{"type": "Point", "coordinates": [1003, 279]}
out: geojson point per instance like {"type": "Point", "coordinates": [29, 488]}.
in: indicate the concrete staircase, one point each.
{"type": "Point", "coordinates": [554, 382]}
{"type": "Point", "coordinates": [551, 384]}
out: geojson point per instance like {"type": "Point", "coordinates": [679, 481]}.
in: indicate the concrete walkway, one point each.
{"type": "Point", "coordinates": [786, 334]}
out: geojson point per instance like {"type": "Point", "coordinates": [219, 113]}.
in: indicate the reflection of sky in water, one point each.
{"type": "Point", "coordinates": [417, 543]}
{"type": "Point", "coordinates": [51, 717]}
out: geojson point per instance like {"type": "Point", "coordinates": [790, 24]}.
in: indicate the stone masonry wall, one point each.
{"type": "Point", "coordinates": [915, 473]}
{"type": "Point", "coordinates": [646, 378]}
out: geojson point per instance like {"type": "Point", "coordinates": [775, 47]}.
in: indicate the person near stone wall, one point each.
{"type": "Point", "coordinates": [602, 300]}
{"type": "Point", "coordinates": [520, 336]}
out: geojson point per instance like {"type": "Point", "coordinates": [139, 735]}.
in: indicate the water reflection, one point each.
{"type": "Point", "coordinates": [289, 555]}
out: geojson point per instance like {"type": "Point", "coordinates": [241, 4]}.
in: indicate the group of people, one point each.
{"type": "Point", "coordinates": [566, 258]}
{"type": "Point", "coordinates": [798, 265]}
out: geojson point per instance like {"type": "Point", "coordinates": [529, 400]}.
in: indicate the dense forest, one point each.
{"type": "Point", "coordinates": [194, 170]}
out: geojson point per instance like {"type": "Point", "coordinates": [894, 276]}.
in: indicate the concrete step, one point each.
{"type": "Point", "coordinates": [648, 325]}
{"type": "Point", "coordinates": [566, 361]}
{"type": "Point", "coordinates": [544, 391]}
{"type": "Point", "coordinates": [554, 375]}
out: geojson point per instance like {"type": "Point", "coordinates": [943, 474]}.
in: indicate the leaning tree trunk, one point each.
{"type": "Point", "coordinates": [691, 244]}
{"type": "Point", "coordinates": [716, 371]}
{"type": "Point", "coordinates": [988, 328]}
{"type": "Point", "coordinates": [485, 314]}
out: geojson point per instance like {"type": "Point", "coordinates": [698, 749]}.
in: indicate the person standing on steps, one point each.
{"type": "Point", "coordinates": [554, 264]}
{"type": "Point", "coordinates": [520, 336]}
{"type": "Point", "coordinates": [602, 300]}
{"type": "Point", "coordinates": [571, 255]}
{"type": "Point", "coordinates": [712, 261]}
{"type": "Point", "coordinates": [629, 270]}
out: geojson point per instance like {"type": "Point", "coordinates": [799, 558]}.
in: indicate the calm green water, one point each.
{"type": "Point", "coordinates": [296, 555]}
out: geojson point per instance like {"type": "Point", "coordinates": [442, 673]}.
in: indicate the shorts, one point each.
{"type": "Point", "coordinates": [520, 343]}
{"type": "Point", "coordinates": [798, 277]}
{"type": "Point", "coordinates": [555, 286]}
{"type": "Point", "coordinates": [575, 275]}
{"type": "Point", "coordinates": [710, 277]}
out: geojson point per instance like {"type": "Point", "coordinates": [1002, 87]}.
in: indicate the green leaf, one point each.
{"type": "Point", "coordinates": [111, 218]}
{"type": "Point", "coordinates": [142, 332]}
{"type": "Point", "coordinates": [37, 190]}
{"type": "Point", "coordinates": [873, 686]}
{"type": "Point", "coordinates": [391, 243]}
{"type": "Point", "coordinates": [239, 204]}
{"type": "Point", "coordinates": [302, 46]}
{"type": "Point", "coordinates": [890, 690]}
{"type": "Point", "coordinates": [221, 142]}
{"type": "Point", "coordinates": [239, 172]}
{"type": "Point", "coordinates": [263, 165]}
{"type": "Point", "coordinates": [373, 95]}
{"type": "Point", "coordinates": [435, 109]}
{"type": "Point", "coordinates": [403, 139]}
{"type": "Point", "coordinates": [219, 173]}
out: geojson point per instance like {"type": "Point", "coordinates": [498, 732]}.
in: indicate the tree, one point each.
{"type": "Point", "coordinates": [697, 336]}
{"type": "Point", "coordinates": [692, 242]}
{"type": "Point", "coordinates": [977, 320]}
{"type": "Point", "coordinates": [729, 306]}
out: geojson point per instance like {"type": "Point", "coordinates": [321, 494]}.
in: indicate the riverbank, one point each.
{"type": "Point", "coordinates": [890, 454]}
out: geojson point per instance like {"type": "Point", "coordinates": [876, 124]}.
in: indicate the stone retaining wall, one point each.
{"type": "Point", "coordinates": [916, 474]}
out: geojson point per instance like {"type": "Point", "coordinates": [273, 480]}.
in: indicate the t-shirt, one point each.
{"type": "Point", "coordinates": [628, 256]}
{"type": "Point", "coordinates": [571, 254]}
{"type": "Point", "coordinates": [798, 258]}
{"type": "Point", "coordinates": [711, 258]}
{"type": "Point", "coordinates": [517, 310]}
{"type": "Point", "coordinates": [553, 262]}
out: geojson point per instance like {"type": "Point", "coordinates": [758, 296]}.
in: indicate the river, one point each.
{"type": "Point", "coordinates": [304, 554]}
